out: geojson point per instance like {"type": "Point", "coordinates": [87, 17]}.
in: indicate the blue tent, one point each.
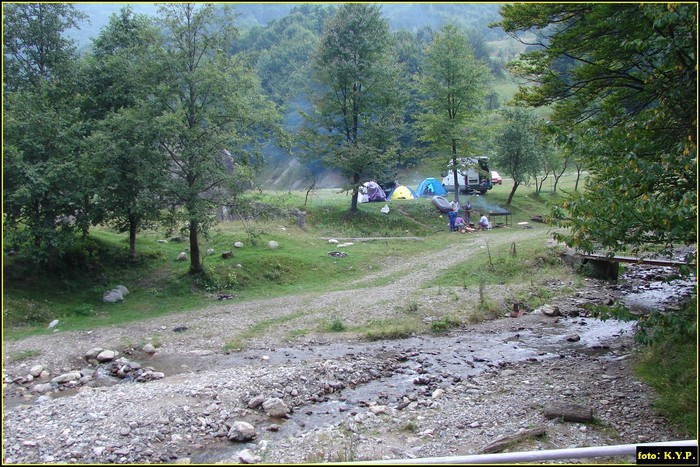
{"type": "Point", "coordinates": [430, 187]}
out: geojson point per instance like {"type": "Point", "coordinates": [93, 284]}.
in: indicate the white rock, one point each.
{"type": "Point", "coordinates": [438, 393]}
{"type": "Point", "coordinates": [238, 244]}
{"type": "Point", "coordinates": [256, 401]}
{"type": "Point", "coordinates": [241, 431]}
{"type": "Point", "coordinates": [275, 407]}
{"type": "Point", "coordinates": [182, 256]}
{"type": "Point", "coordinates": [210, 251]}
{"type": "Point", "coordinates": [107, 355]}
{"type": "Point", "coordinates": [273, 244]}
{"type": "Point", "coordinates": [53, 323]}
{"type": "Point", "coordinates": [333, 241]}
{"type": "Point", "coordinates": [36, 370]}
{"type": "Point", "coordinates": [93, 353]}
{"type": "Point", "coordinates": [149, 349]}
{"type": "Point", "coordinates": [122, 289]}
{"type": "Point", "coordinates": [66, 377]}
{"type": "Point", "coordinates": [247, 457]}
{"type": "Point", "coordinates": [113, 296]}
{"type": "Point", "coordinates": [41, 388]}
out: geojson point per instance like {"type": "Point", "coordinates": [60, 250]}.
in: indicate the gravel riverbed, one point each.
{"type": "Point", "coordinates": [345, 399]}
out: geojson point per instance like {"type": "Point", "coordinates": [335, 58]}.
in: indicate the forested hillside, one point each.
{"type": "Point", "coordinates": [170, 115]}
{"type": "Point", "coordinates": [279, 39]}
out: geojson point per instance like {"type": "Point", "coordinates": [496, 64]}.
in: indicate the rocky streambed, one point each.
{"type": "Point", "coordinates": [418, 397]}
{"type": "Point", "coordinates": [503, 385]}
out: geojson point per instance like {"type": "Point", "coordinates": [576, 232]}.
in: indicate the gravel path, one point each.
{"type": "Point", "coordinates": [346, 399]}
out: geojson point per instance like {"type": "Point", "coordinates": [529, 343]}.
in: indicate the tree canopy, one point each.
{"type": "Point", "coordinates": [42, 131]}
{"type": "Point", "coordinates": [452, 87]}
{"type": "Point", "coordinates": [357, 104]}
{"type": "Point", "coordinates": [622, 75]}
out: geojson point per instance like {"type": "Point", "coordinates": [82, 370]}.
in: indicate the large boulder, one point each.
{"type": "Point", "coordinates": [275, 407]}
{"type": "Point", "coordinates": [241, 431]}
{"type": "Point", "coordinates": [107, 356]}
{"type": "Point", "coordinates": [113, 296]}
{"type": "Point", "coordinates": [67, 377]}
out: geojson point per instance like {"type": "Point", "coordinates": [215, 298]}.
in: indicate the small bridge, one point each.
{"type": "Point", "coordinates": [606, 267]}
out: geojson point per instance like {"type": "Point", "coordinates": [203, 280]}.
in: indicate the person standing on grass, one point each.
{"type": "Point", "coordinates": [468, 213]}
{"type": "Point", "coordinates": [453, 217]}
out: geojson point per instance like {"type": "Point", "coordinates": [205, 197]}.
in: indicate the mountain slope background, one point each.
{"type": "Point", "coordinates": [258, 23]}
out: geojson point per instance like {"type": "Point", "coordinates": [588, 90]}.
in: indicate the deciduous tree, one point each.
{"type": "Point", "coordinates": [214, 114]}
{"type": "Point", "coordinates": [628, 84]}
{"type": "Point", "coordinates": [357, 104]}
{"type": "Point", "coordinates": [126, 165]}
{"type": "Point", "coordinates": [453, 87]}
{"type": "Point", "coordinates": [44, 196]}
{"type": "Point", "coordinates": [517, 150]}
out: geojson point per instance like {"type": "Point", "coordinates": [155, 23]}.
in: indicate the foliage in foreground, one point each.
{"type": "Point", "coordinates": [669, 364]}
{"type": "Point", "coordinates": [667, 360]}
{"type": "Point", "coordinates": [622, 82]}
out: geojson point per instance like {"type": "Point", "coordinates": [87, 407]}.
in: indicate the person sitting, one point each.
{"type": "Point", "coordinates": [484, 222]}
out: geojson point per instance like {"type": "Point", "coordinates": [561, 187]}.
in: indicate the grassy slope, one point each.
{"type": "Point", "coordinates": [159, 285]}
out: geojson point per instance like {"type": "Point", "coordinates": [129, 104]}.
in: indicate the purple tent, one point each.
{"type": "Point", "coordinates": [375, 192]}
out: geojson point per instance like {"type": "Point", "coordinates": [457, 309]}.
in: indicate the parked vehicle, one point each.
{"type": "Point", "coordinates": [495, 178]}
{"type": "Point", "coordinates": [473, 175]}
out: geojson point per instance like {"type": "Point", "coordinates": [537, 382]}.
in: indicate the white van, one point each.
{"type": "Point", "coordinates": [470, 178]}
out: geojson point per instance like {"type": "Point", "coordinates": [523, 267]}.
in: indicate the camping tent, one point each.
{"type": "Point", "coordinates": [431, 187]}
{"type": "Point", "coordinates": [375, 192]}
{"type": "Point", "coordinates": [403, 192]}
{"type": "Point", "coordinates": [369, 192]}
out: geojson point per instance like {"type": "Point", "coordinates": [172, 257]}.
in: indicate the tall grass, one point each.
{"type": "Point", "coordinates": [669, 364]}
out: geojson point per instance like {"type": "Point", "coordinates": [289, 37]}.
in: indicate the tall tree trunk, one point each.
{"type": "Point", "coordinates": [512, 192]}
{"type": "Point", "coordinates": [195, 262]}
{"type": "Point", "coordinates": [454, 170]}
{"type": "Point", "coordinates": [133, 225]}
{"type": "Point", "coordinates": [355, 191]}
{"type": "Point", "coordinates": [578, 176]}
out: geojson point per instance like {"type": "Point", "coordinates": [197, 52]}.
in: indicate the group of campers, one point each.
{"type": "Point", "coordinates": [460, 224]}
